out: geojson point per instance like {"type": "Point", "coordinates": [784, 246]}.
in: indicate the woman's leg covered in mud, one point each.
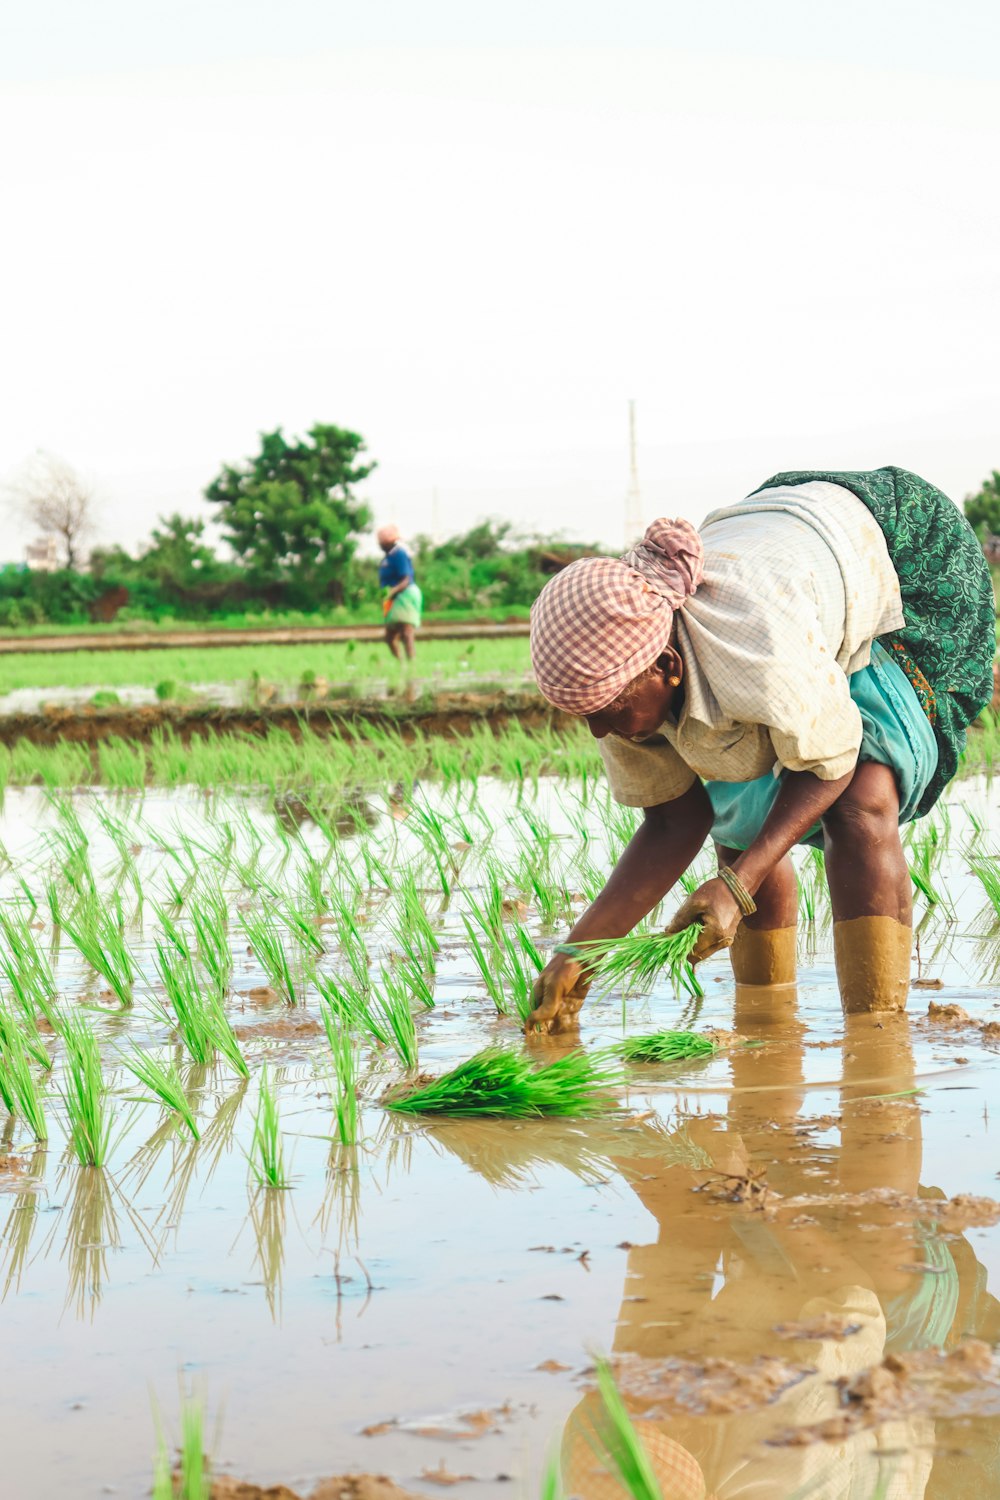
{"type": "Point", "coordinates": [870, 892]}
{"type": "Point", "coordinates": [392, 639]}
{"type": "Point", "coordinates": [764, 949]}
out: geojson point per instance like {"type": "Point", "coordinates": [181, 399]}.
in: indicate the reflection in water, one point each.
{"type": "Point", "coordinates": [267, 1220]}
{"type": "Point", "coordinates": [342, 1199]}
{"type": "Point", "coordinates": [19, 1227]}
{"type": "Point", "coordinates": [720, 1280]}
{"type": "Point", "coordinates": [91, 1225]}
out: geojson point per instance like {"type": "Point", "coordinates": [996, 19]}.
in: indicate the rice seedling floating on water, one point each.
{"type": "Point", "coordinates": [666, 1047]}
{"type": "Point", "coordinates": [639, 958]}
{"type": "Point", "coordinates": [163, 1080]}
{"type": "Point", "coordinates": [500, 1081]}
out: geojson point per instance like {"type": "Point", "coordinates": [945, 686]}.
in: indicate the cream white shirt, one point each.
{"type": "Point", "coordinates": [798, 585]}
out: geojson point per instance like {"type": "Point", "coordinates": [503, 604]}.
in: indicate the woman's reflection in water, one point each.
{"type": "Point", "coordinates": [723, 1282]}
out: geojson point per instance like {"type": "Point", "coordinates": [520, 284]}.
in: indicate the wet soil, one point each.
{"type": "Point", "coordinates": [445, 714]}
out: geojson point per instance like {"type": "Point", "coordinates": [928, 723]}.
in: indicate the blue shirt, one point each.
{"type": "Point", "coordinates": [394, 567]}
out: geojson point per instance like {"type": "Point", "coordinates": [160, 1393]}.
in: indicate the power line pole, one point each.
{"type": "Point", "coordinates": [633, 504]}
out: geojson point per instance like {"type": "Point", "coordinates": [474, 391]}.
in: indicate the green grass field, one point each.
{"type": "Point", "coordinates": [350, 663]}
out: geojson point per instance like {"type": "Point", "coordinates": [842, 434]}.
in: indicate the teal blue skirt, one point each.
{"type": "Point", "coordinates": [895, 732]}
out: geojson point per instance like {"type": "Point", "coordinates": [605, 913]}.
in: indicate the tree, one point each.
{"type": "Point", "coordinates": [291, 513]}
{"type": "Point", "coordinates": [52, 497]}
{"type": "Point", "coordinates": [983, 508]}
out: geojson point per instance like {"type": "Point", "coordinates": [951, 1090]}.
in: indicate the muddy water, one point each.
{"type": "Point", "coordinates": [769, 1245]}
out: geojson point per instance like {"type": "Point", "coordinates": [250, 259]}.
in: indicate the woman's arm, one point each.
{"type": "Point", "coordinates": [801, 801]}
{"type": "Point", "coordinates": [659, 852]}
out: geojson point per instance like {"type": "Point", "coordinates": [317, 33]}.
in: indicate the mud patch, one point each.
{"type": "Point", "coordinates": [713, 1387]}
{"type": "Point", "coordinates": [342, 1487]}
{"type": "Point", "coordinates": [927, 1382]}
{"type": "Point", "coordinates": [282, 1028]}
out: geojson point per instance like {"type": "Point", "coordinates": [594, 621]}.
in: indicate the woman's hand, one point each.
{"type": "Point", "coordinates": [558, 993]}
{"type": "Point", "coordinates": [715, 907]}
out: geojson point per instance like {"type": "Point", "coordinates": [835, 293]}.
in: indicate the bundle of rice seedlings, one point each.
{"type": "Point", "coordinates": [666, 1047]}
{"type": "Point", "coordinates": [639, 958]}
{"type": "Point", "coordinates": [163, 1080]}
{"type": "Point", "coordinates": [498, 1081]}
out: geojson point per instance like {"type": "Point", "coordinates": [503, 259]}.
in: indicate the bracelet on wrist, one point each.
{"type": "Point", "coordinates": [738, 890]}
{"type": "Point", "coordinates": [568, 950]}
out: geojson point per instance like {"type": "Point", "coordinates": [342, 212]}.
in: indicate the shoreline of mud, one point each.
{"type": "Point", "coordinates": [444, 714]}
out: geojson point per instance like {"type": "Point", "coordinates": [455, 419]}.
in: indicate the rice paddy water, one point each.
{"type": "Point", "coordinates": [272, 1125]}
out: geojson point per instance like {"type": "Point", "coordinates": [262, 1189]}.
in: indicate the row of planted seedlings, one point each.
{"type": "Point", "coordinates": [352, 926]}
{"type": "Point", "coordinates": [345, 753]}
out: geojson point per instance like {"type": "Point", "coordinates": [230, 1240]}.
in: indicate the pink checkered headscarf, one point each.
{"type": "Point", "coordinates": [603, 620]}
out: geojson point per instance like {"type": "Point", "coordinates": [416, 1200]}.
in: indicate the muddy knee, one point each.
{"type": "Point", "coordinates": [762, 957]}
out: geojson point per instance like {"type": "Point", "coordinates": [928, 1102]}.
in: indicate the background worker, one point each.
{"type": "Point", "coordinates": [802, 670]}
{"type": "Point", "coordinates": [402, 601]}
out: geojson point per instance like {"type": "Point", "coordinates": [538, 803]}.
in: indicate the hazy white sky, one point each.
{"type": "Point", "coordinates": [472, 230]}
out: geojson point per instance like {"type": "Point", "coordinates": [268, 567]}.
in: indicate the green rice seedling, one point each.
{"type": "Point", "coordinates": [618, 1444]}
{"type": "Point", "coordinates": [267, 1152]}
{"type": "Point", "coordinates": [97, 931]}
{"type": "Point", "coordinates": [413, 929]}
{"type": "Point", "coordinates": [388, 1016]}
{"type": "Point", "coordinates": [522, 963]}
{"type": "Point", "coordinates": [420, 986]}
{"type": "Point", "coordinates": [265, 940]}
{"type": "Point", "coordinates": [551, 1486]}
{"type": "Point", "coordinates": [210, 920]}
{"type": "Point", "coordinates": [987, 872]}
{"type": "Point", "coordinates": [432, 831]}
{"type": "Point", "coordinates": [196, 1010]}
{"type": "Point", "coordinates": [26, 969]}
{"type": "Point", "coordinates": [639, 958]}
{"type": "Point", "coordinates": [344, 999]}
{"type": "Point", "coordinates": [500, 1081]}
{"type": "Point", "coordinates": [487, 957]}
{"type": "Point", "coordinates": [84, 1094]}
{"type": "Point", "coordinates": [302, 923]}
{"type": "Point", "coordinates": [345, 1072]}
{"type": "Point", "coordinates": [20, 1084]}
{"type": "Point", "coordinates": [123, 839]}
{"type": "Point", "coordinates": [164, 1081]}
{"type": "Point", "coordinates": [193, 1479]}
{"type": "Point", "coordinates": [666, 1047]}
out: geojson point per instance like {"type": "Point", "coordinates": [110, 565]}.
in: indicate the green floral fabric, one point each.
{"type": "Point", "coordinates": [948, 605]}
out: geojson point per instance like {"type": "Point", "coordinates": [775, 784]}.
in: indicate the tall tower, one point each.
{"type": "Point", "coordinates": [633, 505]}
